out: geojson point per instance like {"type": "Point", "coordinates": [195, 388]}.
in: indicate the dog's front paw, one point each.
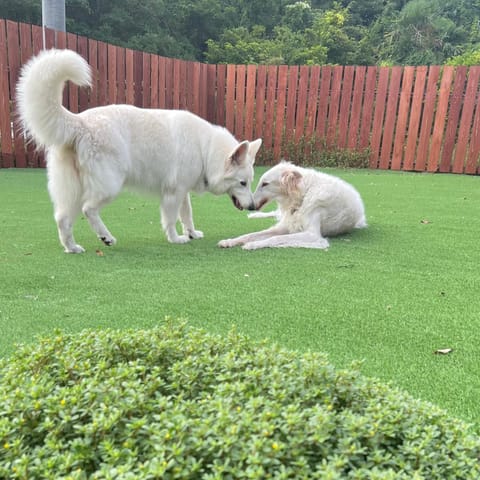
{"type": "Point", "coordinates": [109, 241]}
{"type": "Point", "coordinates": [228, 243]}
{"type": "Point", "coordinates": [250, 246]}
{"type": "Point", "coordinates": [75, 249]}
{"type": "Point", "coordinates": [194, 234]}
{"type": "Point", "coordinates": [179, 239]}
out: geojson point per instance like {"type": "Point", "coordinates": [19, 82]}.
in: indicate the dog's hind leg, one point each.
{"type": "Point", "coordinates": [91, 210]}
{"type": "Point", "coordinates": [65, 191]}
{"type": "Point", "coordinates": [65, 220]}
{"type": "Point", "coordinates": [186, 218]}
{"type": "Point", "coordinates": [170, 208]}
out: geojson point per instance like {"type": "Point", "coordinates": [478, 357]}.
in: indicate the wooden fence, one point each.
{"type": "Point", "coordinates": [407, 118]}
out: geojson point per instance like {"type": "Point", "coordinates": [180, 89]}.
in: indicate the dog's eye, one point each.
{"type": "Point", "coordinates": [264, 184]}
{"type": "Point", "coordinates": [243, 183]}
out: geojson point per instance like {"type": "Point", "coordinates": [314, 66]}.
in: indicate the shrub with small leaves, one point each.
{"type": "Point", "coordinates": [177, 403]}
{"type": "Point", "coordinates": [313, 151]}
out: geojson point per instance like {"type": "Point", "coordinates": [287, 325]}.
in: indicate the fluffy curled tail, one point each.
{"type": "Point", "coordinates": [39, 96]}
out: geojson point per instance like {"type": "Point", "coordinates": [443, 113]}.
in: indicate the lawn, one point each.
{"type": "Point", "coordinates": [390, 295]}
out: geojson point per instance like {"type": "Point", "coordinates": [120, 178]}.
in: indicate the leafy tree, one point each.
{"type": "Point", "coordinates": [277, 31]}
{"type": "Point", "coordinates": [28, 11]}
{"type": "Point", "coordinates": [469, 58]}
{"type": "Point", "coordinates": [327, 40]}
{"type": "Point", "coordinates": [428, 31]}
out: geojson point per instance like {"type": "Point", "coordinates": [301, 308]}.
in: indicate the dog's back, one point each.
{"type": "Point", "coordinates": [341, 205]}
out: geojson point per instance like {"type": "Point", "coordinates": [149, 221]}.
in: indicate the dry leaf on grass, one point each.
{"type": "Point", "coordinates": [443, 351]}
{"type": "Point", "coordinates": [99, 253]}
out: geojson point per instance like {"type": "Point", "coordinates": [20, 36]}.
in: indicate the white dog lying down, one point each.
{"type": "Point", "coordinates": [93, 155]}
{"type": "Point", "coordinates": [312, 206]}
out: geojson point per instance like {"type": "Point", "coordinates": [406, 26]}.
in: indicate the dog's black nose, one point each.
{"type": "Point", "coordinates": [252, 206]}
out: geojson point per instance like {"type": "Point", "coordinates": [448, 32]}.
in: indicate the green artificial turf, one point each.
{"type": "Point", "coordinates": [390, 295]}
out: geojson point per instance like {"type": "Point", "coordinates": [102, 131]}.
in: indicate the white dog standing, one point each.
{"type": "Point", "coordinates": [91, 156]}
{"type": "Point", "coordinates": [312, 206]}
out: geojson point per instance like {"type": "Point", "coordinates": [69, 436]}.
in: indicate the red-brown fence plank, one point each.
{"type": "Point", "coordinates": [82, 49]}
{"type": "Point", "coordinates": [26, 46]}
{"type": "Point", "coordinates": [356, 107]}
{"type": "Point", "coordinates": [188, 95]}
{"type": "Point", "coordinates": [239, 101]}
{"type": "Point", "coordinates": [312, 105]}
{"type": "Point", "coordinates": [440, 117]}
{"type": "Point", "coordinates": [367, 109]}
{"type": "Point", "coordinates": [323, 101]}
{"type": "Point", "coordinates": [138, 78]}
{"type": "Point", "coordinates": [161, 82]}
{"type": "Point", "coordinates": [185, 81]}
{"type": "Point", "coordinates": [220, 105]}
{"type": "Point", "coordinates": [176, 84]}
{"type": "Point", "coordinates": [203, 91]}
{"type": "Point", "coordinates": [129, 77]}
{"type": "Point", "coordinates": [6, 153]}
{"type": "Point", "coordinates": [334, 106]}
{"type": "Point", "coordinates": [466, 120]}
{"type": "Point", "coordinates": [120, 74]}
{"type": "Point", "coordinates": [154, 81]}
{"type": "Point", "coordinates": [402, 118]}
{"type": "Point", "coordinates": [13, 36]}
{"type": "Point", "coordinates": [210, 92]}
{"type": "Point", "coordinates": [291, 102]}
{"type": "Point", "coordinates": [270, 119]}
{"type": "Point", "coordinates": [93, 62]}
{"type": "Point", "coordinates": [260, 101]}
{"type": "Point", "coordinates": [312, 101]}
{"type": "Point", "coordinates": [195, 92]}
{"type": "Point", "coordinates": [197, 97]}
{"type": "Point", "coordinates": [37, 39]}
{"type": "Point", "coordinates": [250, 102]}
{"type": "Point", "coordinates": [281, 97]}
{"type": "Point", "coordinates": [230, 98]}
{"type": "Point", "coordinates": [427, 118]}
{"type": "Point", "coordinates": [390, 117]}
{"type": "Point", "coordinates": [26, 42]}
{"type": "Point", "coordinates": [415, 114]}
{"type": "Point", "coordinates": [378, 116]}
{"type": "Point", "coordinates": [102, 74]}
{"type": "Point", "coordinates": [301, 107]}
{"type": "Point", "coordinates": [345, 106]}
{"type": "Point", "coordinates": [146, 92]}
{"type": "Point", "coordinates": [168, 83]}
{"type": "Point", "coordinates": [48, 38]}
{"type": "Point", "coordinates": [456, 102]}
{"type": "Point", "coordinates": [472, 164]}
{"type": "Point", "coordinates": [54, 39]}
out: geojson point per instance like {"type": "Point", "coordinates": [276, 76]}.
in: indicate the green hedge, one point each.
{"type": "Point", "coordinates": [175, 402]}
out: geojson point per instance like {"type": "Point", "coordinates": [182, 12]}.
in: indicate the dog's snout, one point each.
{"type": "Point", "coordinates": [251, 207]}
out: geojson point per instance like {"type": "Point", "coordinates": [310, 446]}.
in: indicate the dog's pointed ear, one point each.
{"type": "Point", "coordinates": [243, 151]}
{"type": "Point", "coordinates": [239, 155]}
{"type": "Point", "coordinates": [253, 148]}
{"type": "Point", "coordinates": [290, 180]}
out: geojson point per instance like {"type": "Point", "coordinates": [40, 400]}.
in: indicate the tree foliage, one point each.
{"type": "Point", "coordinates": [278, 31]}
